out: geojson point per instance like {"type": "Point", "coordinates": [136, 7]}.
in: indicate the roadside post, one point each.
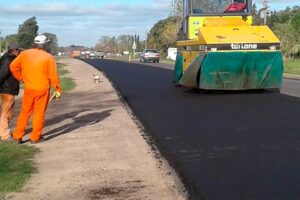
{"type": "Point", "coordinates": [134, 48]}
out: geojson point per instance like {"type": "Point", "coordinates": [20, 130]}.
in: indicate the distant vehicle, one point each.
{"type": "Point", "coordinates": [100, 54]}
{"type": "Point", "coordinates": [75, 54]}
{"type": "Point", "coordinates": [126, 52]}
{"type": "Point", "coordinates": [149, 55]}
{"type": "Point", "coordinates": [92, 55]}
{"type": "Point", "coordinates": [82, 55]}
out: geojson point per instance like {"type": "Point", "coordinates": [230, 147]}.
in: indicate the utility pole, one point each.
{"type": "Point", "coordinates": [146, 42]}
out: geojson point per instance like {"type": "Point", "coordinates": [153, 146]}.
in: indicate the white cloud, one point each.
{"type": "Point", "coordinates": [84, 25]}
{"type": "Point", "coordinates": [63, 9]}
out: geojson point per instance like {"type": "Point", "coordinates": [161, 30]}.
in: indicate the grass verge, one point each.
{"type": "Point", "coordinates": [292, 66]}
{"type": "Point", "coordinates": [16, 166]}
{"type": "Point", "coordinates": [16, 161]}
{"type": "Point", "coordinates": [67, 83]}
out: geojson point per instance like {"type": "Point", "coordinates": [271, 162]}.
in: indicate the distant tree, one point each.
{"type": "Point", "coordinates": [51, 46]}
{"type": "Point", "coordinates": [11, 38]}
{"type": "Point", "coordinates": [289, 38]}
{"type": "Point", "coordinates": [27, 32]}
{"type": "Point", "coordinates": [108, 44]}
{"type": "Point", "coordinates": [177, 8]}
{"type": "Point", "coordinates": [286, 25]}
{"type": "Point", "coordinates": [4, 42]}
{"type": "Point", "coordinates": [170, 32]}
{"type": "Point", "coordinates": [113, 45]}
{"type": "Point", "coordinates": [103, 44]}
{"type": "Point", "coordinates": [163, 33]}
{"type": "Point", "coordinates": [123, 43]}
{"type": "Point", "coordinates": [255, 16]}
{"type": "Point", "coordinates": [138, 45]}
{"type": "Point", "coordinates": [295, 21]}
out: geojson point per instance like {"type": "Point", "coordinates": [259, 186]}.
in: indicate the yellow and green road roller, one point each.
{"type": "Point", "coordinates": [219, 48]}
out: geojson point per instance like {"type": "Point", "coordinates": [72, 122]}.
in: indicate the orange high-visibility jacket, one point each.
{"type": "Point", "coordinates": [37, 69]}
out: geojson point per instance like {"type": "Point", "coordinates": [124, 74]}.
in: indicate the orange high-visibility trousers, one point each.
{"type": "Point", "coordinates": [7, 110]}
{"type": "Point", "coordinates": [33, 101]}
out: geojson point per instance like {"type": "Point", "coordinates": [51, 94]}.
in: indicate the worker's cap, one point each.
{"type": "Point", "coordinates": [13, 45]}
{"type": "Point", "coordinates": [41, 39]}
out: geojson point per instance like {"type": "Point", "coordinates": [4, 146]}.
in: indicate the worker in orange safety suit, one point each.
{"type": "Point", "coordinates": [38, 70]}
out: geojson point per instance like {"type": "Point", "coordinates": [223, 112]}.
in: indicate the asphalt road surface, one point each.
{"type": "Point", "coordinates": [224, 146]}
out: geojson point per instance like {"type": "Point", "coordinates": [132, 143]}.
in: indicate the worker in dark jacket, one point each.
{"type": "Point", "coordinates": [9, 87]}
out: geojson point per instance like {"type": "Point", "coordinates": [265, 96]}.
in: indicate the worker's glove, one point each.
{"type": "Point", "coordinates": [56, 94]}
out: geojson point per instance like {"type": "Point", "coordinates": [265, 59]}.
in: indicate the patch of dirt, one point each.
{"type": "Point", "coordinates": [94, 149]}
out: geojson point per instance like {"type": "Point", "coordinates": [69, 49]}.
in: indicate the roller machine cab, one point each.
{"type": "Point", "coordinates": [219, 48]}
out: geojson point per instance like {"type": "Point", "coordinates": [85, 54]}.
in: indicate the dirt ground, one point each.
{"type": "Point", "coordinates": [95, 150]}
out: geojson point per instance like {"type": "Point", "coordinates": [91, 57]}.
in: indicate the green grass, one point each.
{"type": "Point", "coordinates": [16, 161]}
{"type": "Point", "coordinates": [292, 66]}
{"type": "Point", "coordinates": [16, 166]}
{"type": "Point", "coordinates": [67, 83]}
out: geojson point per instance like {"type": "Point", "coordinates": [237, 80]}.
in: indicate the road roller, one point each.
{"type": "Point", "coordinates": [218, 48]}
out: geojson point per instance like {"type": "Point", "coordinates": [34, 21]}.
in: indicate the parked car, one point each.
{"type": "Point", "coordinates": [149, 55]}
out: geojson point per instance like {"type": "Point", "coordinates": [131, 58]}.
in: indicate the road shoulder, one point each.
{"type": "Point", "coordinates": [95, 150]}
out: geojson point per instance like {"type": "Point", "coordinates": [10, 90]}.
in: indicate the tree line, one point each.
{"type": "Point", "coordinates": [284, 23]}
{"type": "Point", "coordinates": [27, 31]}
{"type": "Point", "coordinates": [119, 44]}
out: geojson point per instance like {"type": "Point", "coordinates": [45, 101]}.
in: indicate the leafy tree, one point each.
{"type": "Point", "coordinates": [52, 45]}
{"type": "Point", "coordinates": [113, 45]}
{"type": "Point", "coordinates": [255, 16]}
{"type": "Point", "coordinates": [163, 33]}
{"type": "Point", "coordinates": [288, 37]}
{"type": "Point", "coordinates": [27, 32]}
{"type": "Point", "coordinates": [286, 25]}
{"type": "Point", "coordinates": [170, 32]}
{"type": "Point", "coordinates": [118, 44]}
{"type": "Point", "coordinates": [138, 44]}
{"type": "Point", "coordinates": [103, 44]}
{"type": "Point", "coordinates": [177, 8]}
{"type": "Point", "coordinates": [295, 21]}
{"type": "Point", "coordinates": [123, 43]}
{"type": "Point", "coordinates": [11, 38]}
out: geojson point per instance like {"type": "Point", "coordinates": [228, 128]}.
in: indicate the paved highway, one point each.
{"type": "Point", "coordinates": [224, 146]}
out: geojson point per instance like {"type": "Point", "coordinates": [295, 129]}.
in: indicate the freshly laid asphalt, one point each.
{"type": "Point", "coordinates": [224, 146]}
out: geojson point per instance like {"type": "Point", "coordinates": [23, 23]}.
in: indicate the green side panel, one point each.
{"type": "Point", "coordinates": [241, 70]}
{"type": "Point", "coordinates": [178, 67]}
{"type": "Point", "coordinates": [189, 78]}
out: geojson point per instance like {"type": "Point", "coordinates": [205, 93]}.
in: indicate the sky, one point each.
{"type": "Point", "coordinates": [83, 22]}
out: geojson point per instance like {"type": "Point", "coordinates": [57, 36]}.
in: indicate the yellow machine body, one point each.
{"type": "Point", "coordinates": [228, 52]}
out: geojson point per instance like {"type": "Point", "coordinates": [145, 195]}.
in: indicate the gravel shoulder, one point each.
{"type": "Point", "coordinates": [95, 150]}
